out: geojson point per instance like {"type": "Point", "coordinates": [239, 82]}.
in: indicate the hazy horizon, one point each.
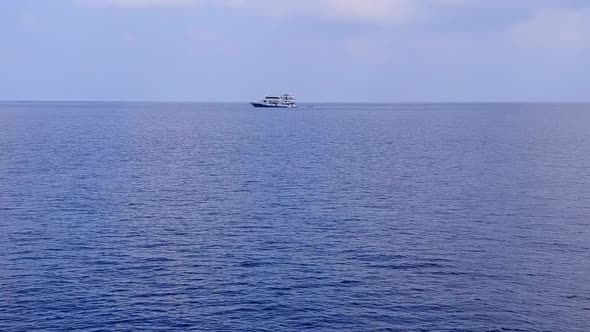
{"type": "Point", "coordinates": [304, 102]}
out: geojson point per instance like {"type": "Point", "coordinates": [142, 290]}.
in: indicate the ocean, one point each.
{"type": "Point", "coordinates": [119, 216]}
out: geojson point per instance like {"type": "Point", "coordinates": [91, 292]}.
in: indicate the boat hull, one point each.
{"type": "Point", "coordinates": [271, 106]}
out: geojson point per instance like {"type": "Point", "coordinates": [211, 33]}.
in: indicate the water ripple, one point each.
{"type": "Point", "coordinates": [216, 217]}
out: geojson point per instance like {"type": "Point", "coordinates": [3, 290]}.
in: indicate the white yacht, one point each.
{"type": "Point", "coordinates": [284, 101]}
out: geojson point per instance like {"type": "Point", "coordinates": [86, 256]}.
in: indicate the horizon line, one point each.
{"type": "Point", "coordinates": [301, 102]}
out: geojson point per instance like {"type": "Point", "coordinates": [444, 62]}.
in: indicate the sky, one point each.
{"type": "Point", "coordinates": [319, 50]}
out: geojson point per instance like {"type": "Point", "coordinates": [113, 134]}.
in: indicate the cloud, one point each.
{"type": "Point", "coordinates": [367, 11]}
{"type": "Point", "coordinates": [554, 28]}
{"type": "Point", "coordinates": [140, 3]}
{"type": "Point", "coordinates": [373, 11]}
{"type": "Point", "coordinates": [164, 3]}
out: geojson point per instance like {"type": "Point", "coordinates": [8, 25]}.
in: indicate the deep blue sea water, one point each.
{"type": "Point", "coordinates": [221, 217]}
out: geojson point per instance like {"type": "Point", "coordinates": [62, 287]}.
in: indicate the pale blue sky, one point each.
{"type": "Point", "coordinates": [321, 50]}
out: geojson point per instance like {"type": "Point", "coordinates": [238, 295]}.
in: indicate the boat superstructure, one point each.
{"type": "Point", "coordinates": [284, 101]}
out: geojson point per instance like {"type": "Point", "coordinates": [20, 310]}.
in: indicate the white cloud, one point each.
{"type": "Point", "coordinates": [140, 3]}
{"type": "Point", "coordinates": [555, 28]}
{"type": "Point", "coordinates": [376, 11]}
{"type": "Point", "coordinates": [368, 11]}
{"type": "Point", "coordinates": [163, 3]}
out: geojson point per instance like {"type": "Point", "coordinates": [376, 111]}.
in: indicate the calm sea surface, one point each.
{"type": "Point", "coordinates": [222, 217]}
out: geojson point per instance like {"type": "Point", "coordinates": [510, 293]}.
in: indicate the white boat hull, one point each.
{"type": "Point", "coordinates": [263, 105]}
